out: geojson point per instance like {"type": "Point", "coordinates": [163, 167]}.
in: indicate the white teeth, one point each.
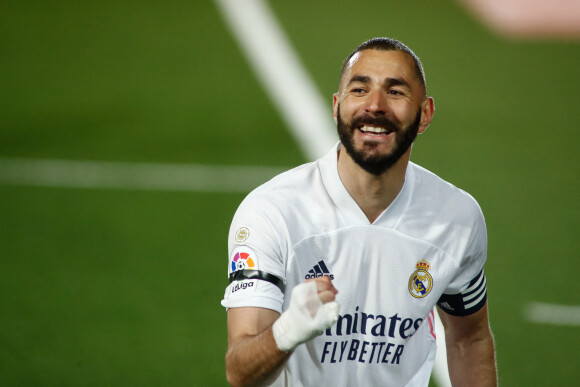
{"type": "Point", "coordinates": [373, 129]}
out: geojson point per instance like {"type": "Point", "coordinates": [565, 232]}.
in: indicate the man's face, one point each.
{"type": "Point", "coordinates": [380, 108]}
{"type": "Point", "coordinates": [368, 157]}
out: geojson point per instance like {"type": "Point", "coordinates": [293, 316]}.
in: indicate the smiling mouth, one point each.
{"type": "Point", "coordinates": [374, 130]}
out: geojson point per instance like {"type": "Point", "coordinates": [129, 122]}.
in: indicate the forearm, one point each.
{"type": "Point", "coordinates": [472, 363]}
{"type": "Point", "coordinates": [254, 360]}
{"type": "Point", "coordinates": [261, 340]}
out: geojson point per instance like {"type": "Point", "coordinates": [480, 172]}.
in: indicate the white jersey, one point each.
{"type": "Point", "coordinates": [428, 247]}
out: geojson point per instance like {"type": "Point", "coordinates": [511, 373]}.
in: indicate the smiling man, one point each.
{"type": "Point", "coordinates": [336, 266]}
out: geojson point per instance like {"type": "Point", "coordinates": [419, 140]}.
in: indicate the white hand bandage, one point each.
{"type": "Point", "coordinates": [306, 317]}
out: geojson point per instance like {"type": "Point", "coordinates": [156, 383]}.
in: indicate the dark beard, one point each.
{"type": "Point", "coordinates": [377, 164]}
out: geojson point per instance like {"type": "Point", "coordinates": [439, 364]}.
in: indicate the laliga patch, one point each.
{"type": "Point", "coordinates": [243, 258]}
{"type": "Point", "coordinates": [243, 285]}
{"type": "Point", "coordinates": [421, 282]}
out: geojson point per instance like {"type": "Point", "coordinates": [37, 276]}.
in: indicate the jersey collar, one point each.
{"type": "Point", "coordinates": [346, 205]}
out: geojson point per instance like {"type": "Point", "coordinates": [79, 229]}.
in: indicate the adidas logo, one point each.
{"type": "Point", "coordinates": [319, 270]}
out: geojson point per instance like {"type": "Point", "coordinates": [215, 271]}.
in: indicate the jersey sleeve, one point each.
{"type": "Point", "coordinates": [467, 292]}
{"type": "Point", "coordinates": [255, 258]}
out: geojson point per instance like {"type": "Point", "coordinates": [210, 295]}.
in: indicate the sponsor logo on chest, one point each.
{"type": "Point", "coordinates": [319, 270]}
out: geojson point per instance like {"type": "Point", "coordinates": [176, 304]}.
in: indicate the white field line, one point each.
{"type": "Point", "coordinates": [133, 176]}
{"type": "Point", "coordinates": [278, 67]}
{"type": "Point", "coordinates": [554, 314]}
{"type": "Point", "coordinates": [282, 75]}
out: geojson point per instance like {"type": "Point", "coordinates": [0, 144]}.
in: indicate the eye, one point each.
{"type": "Point", "coordinates": [358, 90]}
{"type": "Point", "coordinates": [395, 92]}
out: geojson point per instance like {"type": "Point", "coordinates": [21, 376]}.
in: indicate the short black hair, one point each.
{"type": "Point", "coordinates": [388, 44]}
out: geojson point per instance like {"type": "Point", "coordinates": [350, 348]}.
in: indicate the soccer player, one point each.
{"type": "Point", "coordinates": [336, 266]}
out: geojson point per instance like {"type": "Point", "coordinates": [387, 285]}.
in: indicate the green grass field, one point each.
{"type": "Point", "coordinates": [107, 287]}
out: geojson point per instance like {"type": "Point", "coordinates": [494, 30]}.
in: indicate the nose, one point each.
{"type": "Point", "coordinates": [376, 103]}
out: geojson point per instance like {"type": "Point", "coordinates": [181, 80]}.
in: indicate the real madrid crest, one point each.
{"type": "Point", "coordinates": [421, 282]}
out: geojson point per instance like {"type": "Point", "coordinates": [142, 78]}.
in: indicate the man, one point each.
{"type": "Point", "coordinates": [336, 266]}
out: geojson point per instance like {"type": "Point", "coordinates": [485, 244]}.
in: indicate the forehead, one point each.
{"type": "Point", "coordinates": [381, 64]}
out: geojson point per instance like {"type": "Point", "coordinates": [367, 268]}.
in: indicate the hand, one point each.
{"type": "Point", "coordinates": [326, 290]}
{"type": "Point", "coordinates": [312, 309]}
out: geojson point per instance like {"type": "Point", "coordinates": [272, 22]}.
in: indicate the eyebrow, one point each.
{"type": "Point", "coordinates": [396, 82]}
{"type": "Point", "coordinates": [388, 81]}
{"type": "Point", "coordinates": [359, 78]}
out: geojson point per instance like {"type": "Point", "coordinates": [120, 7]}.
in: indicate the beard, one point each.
{"type": "Point", "coordinates": [367, 157]}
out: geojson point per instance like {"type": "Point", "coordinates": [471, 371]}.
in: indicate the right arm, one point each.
{"type": "Point", "coordinates": [262, 332]}
{"type": "Point", "coordinates": [250, 332]}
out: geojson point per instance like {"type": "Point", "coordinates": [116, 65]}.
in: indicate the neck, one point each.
{"type": "Point", "coordinates": [372, 193]}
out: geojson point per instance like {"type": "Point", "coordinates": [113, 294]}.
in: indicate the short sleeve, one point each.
{"type": "Point", "coordinates": [467, 292]}
{"type": "Point", "coordinates": [254, 244]}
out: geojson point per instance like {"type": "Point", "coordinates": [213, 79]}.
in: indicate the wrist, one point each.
{"type": "Point", "coordinates": [305, 318]}
{"type": "Point", "coordinates": [280, 332]}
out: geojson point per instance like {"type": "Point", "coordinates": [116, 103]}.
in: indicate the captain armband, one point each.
{"type": "Point", "coordinates": [240, 275]}
{"type": "Point", "coordinates": [467, 302]}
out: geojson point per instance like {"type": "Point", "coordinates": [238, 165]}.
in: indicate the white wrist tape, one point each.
{"type": "Point", "coordinates": [306, 317]}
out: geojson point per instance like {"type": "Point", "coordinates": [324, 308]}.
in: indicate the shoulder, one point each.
{"type": "Point", "coordinates": [270, 216]}
{"type": "Point", "coordinates": [276, 204]}
{"type": "Point", "coordinates": [431, 192]}
{"type": "Point", "coordinates": [437, 210]}
{"type": "Point", "coordinates": [284, 189]}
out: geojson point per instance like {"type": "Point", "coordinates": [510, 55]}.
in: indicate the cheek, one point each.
{"type": "Point", "coordinates": [348, 109]}
{"type": "Point", "coordinates": [403, 113]}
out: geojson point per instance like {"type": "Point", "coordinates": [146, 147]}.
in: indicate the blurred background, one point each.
{"type": "Point", "coordinates": [105, 284]}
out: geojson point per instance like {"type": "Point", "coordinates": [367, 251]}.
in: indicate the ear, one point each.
{"type": "Point", "coordinates": [335, 107]}
{"type": "Point", "coordinates": [427, 111]}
